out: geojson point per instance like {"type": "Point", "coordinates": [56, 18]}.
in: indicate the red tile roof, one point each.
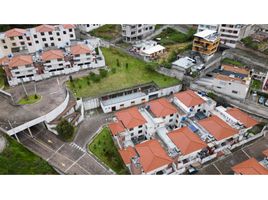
{"type": "Point", "coordinates": [80, 49]}
{"type": "Point", "coordinates": [265, 152]}
{"type": "Point", "coordinates": [152, 155]}
{"type": "Point", "coordinates": [217, 127]}
{"type": "Point", "coordinates": [127, 154]}
{"type": "Point", "coordinates": [162, 107]}
{"type": "Point", "coordinates": [189, 98]}
{"type": "Point", "coordinates": [68, 26]}
{"type": "Point", "coordinates": [15, 32]}
{"type": "Point", "coordinates": [130, 117]}
{"type": "Point", "coordinates": [235, 69]}
{"type": "Point", "coordinates": [44, 28]}
{"type": "Point", "coordinates": [52, 54]}
{"type": "Point", "coordinates": [187, 141]}
{"type": "Point", "coordinates": [116, 127]}
{"type": "Point", "coordinates": [20, 60]}
{"type": "Point", "coordinates": [242, 117]}
{"type": "Point", "coordinates": [250, 167]}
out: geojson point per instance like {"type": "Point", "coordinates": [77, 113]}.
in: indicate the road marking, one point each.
{"type": "Point", "coordinates": [55, 152]}
{"type": "Point", "coordinates": [74, 163]}
{"type": "Point", "coordinates": [217, 168]}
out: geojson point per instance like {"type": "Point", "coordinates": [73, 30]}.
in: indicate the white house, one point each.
{"type": "Point", "coordinates": [153, 53]}
{"type": "Point", "coordinates": [184, 64]}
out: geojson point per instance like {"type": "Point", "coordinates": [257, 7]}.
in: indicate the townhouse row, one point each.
{"type": "Point", "coordinates": [45, 64]}
{"type": "Point", "coordinates": [168, 136]}
{"type": "Point", "coordinates": [35, 39]}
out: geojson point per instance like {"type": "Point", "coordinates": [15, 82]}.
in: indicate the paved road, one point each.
{"type": "Point", "coordinates": [68, 158]}
{"type": "Point", "coordinates": [223, 165]}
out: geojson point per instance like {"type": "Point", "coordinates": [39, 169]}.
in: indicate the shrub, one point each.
{"type": "Point", "coordinates": [103, 73]}
{"type": "Point", "coordinates": [35, 96]}
{"type": "Point", "coordinates": [126, 65]}
{"type": "Point", "coordinates": [113, 70]}
{"type": "Point", "coordinates": [117, 62]}
{"type": "Point", "coordinates": [71, 79]}
{"type": "Point", "coordinates": [65, 130]}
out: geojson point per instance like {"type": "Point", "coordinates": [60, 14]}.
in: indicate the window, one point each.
{"type": "Point", "coordinates": [11, 38]}
{"type": "Point", "coordinates": [170, 120]}
{"type": "Point", "coordinates": [14, 44]}
{"type": "Point", "coordinates": [64, 32]}
{"type": "Point", "coordinates": [60, 59]}
{"type": "Point", "coordinates": [37, 42]}
{"type": "Point", "coordinates": [121, 105]}
{"type": "Point", "coordinates": [51, 38]}
{"type": "Point", "coordinates": [44, 39]}
{"type": "Point", "coordinates": [70, 30]}
{"type": "Point", "coordinates": [28, 38]}
{"type": "Point", "coordinates": [131, 129]}
{"type": "Point", "coordinates": [50, 33]}
{"type": "Point", "coordinates": [42, 33]}
{"type": "Point", "coordinates": [140, 131]}
{"type": "Point", "coordinates": [132, 134]}
{"type": "Point", "coordinates": [140, 126]}
{"type": "Point", "coordinates": [52, 44]}
{"type": "Point", "coordinates": [132, 102]}
{"type": "Point", "coordinates": [5, 47]}
{"type": "Point", "coordinates": [218, 87]}
{"type": "Point", "coordinates": [171, 115]}
{"type": "Point", "coordinates": [46, 45]}
{"type": "Point", "coordinates": [71, 35]}
{"type": "Point", "coordinates": [235, 92]}
{"type": "Point", "coordinates": [60, 64]}
{"type": "Point", "coordinates": [30, 44]}
{"type": "Point", "coordinates": [58, 34]}
{"type": "Point", "coordinates": [3, 41]}
{"type": "Point", "coordinates": [22, 43]}
{"type": "Point", "coordinates": [59, 39]}
{"type": "Point", "coordinates": [35, 36]}
{"type": "Point", "coordinates": [20, 37]}
{"type": "Point", "coordinates": [164, 117]}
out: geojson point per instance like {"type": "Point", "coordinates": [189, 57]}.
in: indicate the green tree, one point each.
{"type": "Point", "coordinates": [126, 65]}
{"type": "Point", "coordinates": [65, 130]}
{"type": "Point", "coordinates": [97, 51]}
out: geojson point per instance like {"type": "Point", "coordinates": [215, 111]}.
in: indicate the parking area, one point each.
{"type": "Point", "coordinates": [68, 158]}
{"type": "Point", "coordinates": [223, 165]}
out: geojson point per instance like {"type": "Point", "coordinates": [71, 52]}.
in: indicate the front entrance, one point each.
{"type": "Point", "coordinates": [113, 108]}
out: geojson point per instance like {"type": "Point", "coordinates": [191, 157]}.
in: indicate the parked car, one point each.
{"type": "Point", "coordinates": [261, 100]}
{"type": "Point", "coordinates": [192, 170]}
{"type": "Point", "coordinates": [266, 103]}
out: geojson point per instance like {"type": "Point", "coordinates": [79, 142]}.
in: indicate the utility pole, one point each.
{"type": "Point", "coordinates": [24, 89]}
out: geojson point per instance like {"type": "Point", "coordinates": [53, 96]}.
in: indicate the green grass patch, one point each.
{"type": "Point", "coordinates": [232, 62]}
{"type": "Point", "coordinates": [171, 36]}
{"type": "Point", "coordinates": [29, 99]}
{"type": "Point", "coordinates": [119, 77]}
{"type": "Point", "coordinates": [256, 84]}
{"type": "Point", "coordinates": [16, 159]}
{"type": "Point", "coordinates": [104, 148]}
{"type": "Point", "coordinates": [107, 31]}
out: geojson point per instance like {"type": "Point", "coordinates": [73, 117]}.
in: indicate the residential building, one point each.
{"type": "Point", "coordinates": [129, 127]}
{"type": "Point", "coordinates": [88, 27]}
{"type": "Point", "coordinates": [213, 27]}
{"type": "Point", "coordinates": [20, 69]}
{"type": "Point", "coordinates": [250, 167]}
{"type": "Point", "coordinates": [54, 62]}
{"type": "Point", "coordinates": [191, 148]}
{"type": "Point", "coordinates": [184, 64]}
{"type": "Point", "coordinates": [229, 80]}
{"type": "Point", "coordinates": [138, 47]}
{"type": "Point", "coordinates": [135, 32]}
{"type": "Point", "coordinates": [231, 34]}
{"type": "Point", "coordinates": [151, 159]}
{"type": "Point", "coordinates": [127, 154]}
{"type": "Point", "coordinates": [35, 39]}
{"type": "Point", "coordinates": [153, 53]}
{"type": "Point", "coordinates": [206, 43]}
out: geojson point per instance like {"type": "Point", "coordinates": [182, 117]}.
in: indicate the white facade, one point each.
{"type": "Point", "coordinates": [88, 27]}
{"type": "Point", "coordinates": [202, 27]}
{"type": "Point", "coordinates": [136, 32]}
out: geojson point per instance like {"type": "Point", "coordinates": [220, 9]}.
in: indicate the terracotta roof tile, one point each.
{"type": "Point", "coordinates": [189, 98]}
{"type": "Point", "coordinates": [152, 155]}
{"type": "Point", "coordinates": [187, 141]}
{"type": "Point", "coordinates": [80, 49]}
{"type": "Point", "coordinates": [162, 107]}
{"type": "Point", "coordinates": [250, 167]}
{"type": "Point", "coordinates": [15, 32]}
{"type": "Point", "coordinates": [116, 127]}
{"type": "Point", "coordinates": [44, 28]}
{"type": "Point", "coordinates": [20, 60]}
{"type": "Point", "coordinates": [217, 127]}
{"type": "Point", "coordinates": [241, 116]}
{"type": "Point", "coordinates": [228, 78]}
{"type": "Point", "coordinates": [68, 26]}
{"type": "Point", "coordinates": [130, 117]}
{"type": "Point", "coordinates": [127, 154]}
{"type": "Point", "coordinates": [52, 54]}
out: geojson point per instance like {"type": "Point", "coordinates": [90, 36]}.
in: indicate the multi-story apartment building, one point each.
{"type": "Point", "coordinates": [230, 34]}
{"type": "Point", "coordinates": [88, 27]}
{"type": "Point", "coordinates": [136, 32]}
{"type": "Point", "coordinates": [206, 43]}
{"type": "Point", "coordinates": [36, 39]}
{"type": "Point", "coordinates": [21, 69]}
{"type": "Point", "coordinates": [54, 62]}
